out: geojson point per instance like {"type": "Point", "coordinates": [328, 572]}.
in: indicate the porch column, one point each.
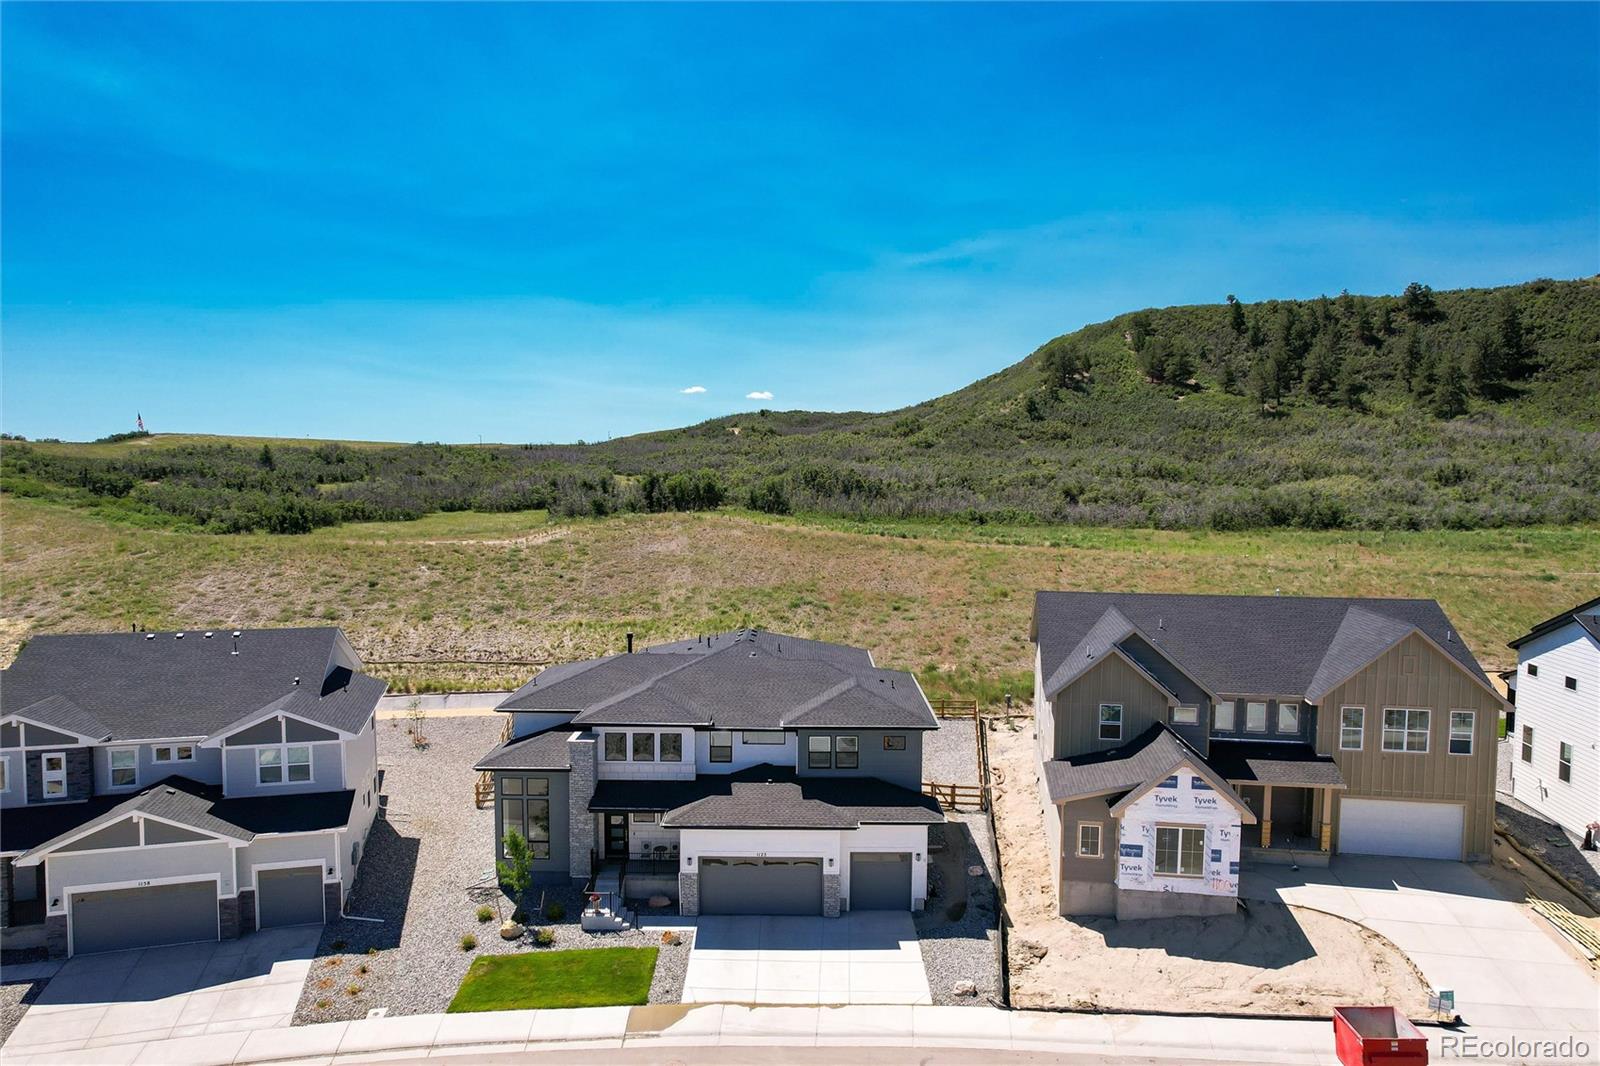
{"type": "Point", "coordinates": [1266, 816]}
{"type": "Point", "coordinates": [1327, 819]}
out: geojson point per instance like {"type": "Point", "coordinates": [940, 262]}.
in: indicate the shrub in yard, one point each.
{"type": "Point", "coordinates": [469, 942]}
{"type": "Point", "coordinates": [485, 913]}
{"type": "Point", "coordinates": [669, 938]}
{"type": "Point", "coordinates": [352, 989]}
{"type": "Point", "coordinates": [545, 937]}
{"type": "Point", "coordinates": [372, 951]}
{"type": "Point", "coordinates": [324, 1004]}
{"type": "Point", "coordinates": [337, 945]}
{"type": "Point", "coordinates": [554, 911]}
{"type": "Point", "coordinates": [363, 969]}
{"type": "Point", "coordinates": [332, 962]}
{"type": "Point", "coordinates": [324, 983]}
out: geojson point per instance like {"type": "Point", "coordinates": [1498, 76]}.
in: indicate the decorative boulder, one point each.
{"type": "Point", "coordinates": [510, 930]}
{"type": "Point", "coordinates": [658, 901]}
{"type": "Point", "coordinates": [964, 988]}
{"type": "Point", "coordinates": [974, 871]}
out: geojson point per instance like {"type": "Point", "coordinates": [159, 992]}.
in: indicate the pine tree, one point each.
{"type": "Point", "coordinates": [1258, 334]}
{"type": "Point", "coordinates": [1411, 354]}
{"type": "Point", "coordinates": [1513, 341]}
{"type": "Point", "coordinates": [1236, 315]}
{"type": "Point", "coordinates": [1418, 303]}
{"type": "Point", "coordinates": [1449, 397]}
{"type": "Point", "coordinates": [1230, 379]}
{"type": "Point", "coordinates": [1485, 362]}
{"type": "Point", "coordinates": [267, 459]}
{"type": "Point", "coordinates": [1352, 386]}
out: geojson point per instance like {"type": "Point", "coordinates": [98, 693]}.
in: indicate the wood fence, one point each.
{"type": "Point", "coordinates": [953, 796]}
{"type": "Point", "coordinates": [954, 708]}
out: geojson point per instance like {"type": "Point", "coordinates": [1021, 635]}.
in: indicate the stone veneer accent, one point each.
{"type": "Point", "coordinates": [688, 894]}
{"type": "Point", "coordinates": [80, 774]}
{"type": "Point", "coordinates": [580, 789]}
{"type": "Point", "coordinates": [332, 900]}
{"type": "Point", "coordinates": [830, 895]}
{"type": "Point", "coordinates": [7, 885]}
{"type": "Point", "coordinates": [55, 935]}
{"type": "Point", "coordinates": [247, 911]}
{"type": "Point", "coordinates": [228, 917]}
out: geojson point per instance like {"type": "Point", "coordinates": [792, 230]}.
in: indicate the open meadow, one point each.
{"type": "Point", "coordinates": [950, 601]}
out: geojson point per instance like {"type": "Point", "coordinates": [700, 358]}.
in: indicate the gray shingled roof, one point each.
{"type": "Point", "coordinates": [1274, 763]}
{"type": "Point", "coordinates": [1586, 615]}
{"type": "Point", "coordinates": [769, 797]}
{"type": "Point", "coordinates": [58, 712]}
{"type": "Point", "coordinates": [1152, 754]}
{"type": "Point", "coordinates": [1240, 645]}
{"type": "Point", "coordinates": [142, 686]}
{"type": "Point", "coordinates": [745, 679]}
{"type": "Point", "coordinates": [541, 751]}
{"type": "Point", "coordinates": [188, 803]}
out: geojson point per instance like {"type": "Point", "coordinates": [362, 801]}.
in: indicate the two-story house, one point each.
{"type": "Point", "coordinates": [1555, 753]}
{"type": "Point", "coordinates": [160, 788]}
{"type": "Point", "coordinates": [1182, 735]}
{"type": "Point", "coordinates": [742, 773]}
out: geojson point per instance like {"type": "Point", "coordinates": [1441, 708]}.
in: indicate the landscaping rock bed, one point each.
{"type": "Point", "coordinates": [428, 867]}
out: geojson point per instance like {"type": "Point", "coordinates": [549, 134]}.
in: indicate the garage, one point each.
{"type": "Point", "coordinates": [760, 886]}
{"type": "Point", "coordinates": [148, 916]}
{"type": "Point", "coordinates": [880, 881]}
{"type": "Point", "coordinates": [289, 896]}
{"type": "Point", "coordinates": [1401, 827]}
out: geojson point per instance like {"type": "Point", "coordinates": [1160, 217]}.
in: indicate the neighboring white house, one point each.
{"type": "Point", "coordinates": [1555, 755]}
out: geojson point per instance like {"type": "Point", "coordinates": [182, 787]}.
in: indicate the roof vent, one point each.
{"type": "Point", "coordinates": [297, 680]}
{"type": "Point", "coordinates": [1449, 636]}
{"type": "Point", "coordinates": [172, 791]}
{"type": "Point", "coordinates": [208, 634]}
{"type": "Point", "coordinates": [177, 636]}
{"type": "Point", "coordinates": [236, 634]}
{"type": "Point", "coordinates": [149, 636]}
{"type": "Point", "coordinates": [1161, 623]}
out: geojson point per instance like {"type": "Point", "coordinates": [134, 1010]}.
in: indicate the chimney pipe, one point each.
{"type": "Point", "coordinates": [630, 643]}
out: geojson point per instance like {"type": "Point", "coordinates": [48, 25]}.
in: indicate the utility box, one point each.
{"type": "Point", "coordinates": [1377, 1036]}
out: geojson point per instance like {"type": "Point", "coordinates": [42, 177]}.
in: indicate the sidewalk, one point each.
{"type": "Point", "coordinates": [1192, 1039]}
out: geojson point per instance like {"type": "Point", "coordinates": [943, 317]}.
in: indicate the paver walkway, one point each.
{"type": "Point", "coordinates": [132, 997]}
{"type": "Point", "coordinates": [860, 957]}
{"type": "Point", "coordinates": [1507, 972]}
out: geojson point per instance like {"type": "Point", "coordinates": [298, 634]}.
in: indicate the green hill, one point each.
{"type": "Point", "coordinates": [1469, 408]}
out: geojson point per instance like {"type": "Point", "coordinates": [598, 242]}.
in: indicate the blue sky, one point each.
{"type": "Point", "coordinates": [544, 223]}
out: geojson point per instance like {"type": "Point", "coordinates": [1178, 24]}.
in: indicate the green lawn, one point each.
{"type": "Point", "coordinates": [599, 977]}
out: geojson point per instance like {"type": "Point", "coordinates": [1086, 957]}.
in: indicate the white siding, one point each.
{"type": "Point", "coordinates": [1559, 715]}
{"type": "Point", "coordinates": [652, 769]}
{"type": "Point", "coordinates": [744, 755]}
{"type": "Point", "coordinates": [66, 871]}
{"type": "Point", "coordinates": [833, 847]}
{"type": "Point", "coordinates": [312, 847]}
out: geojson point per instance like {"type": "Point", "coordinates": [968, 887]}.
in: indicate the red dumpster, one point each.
{"type": "Point", "coordinates": [1377, 1036]}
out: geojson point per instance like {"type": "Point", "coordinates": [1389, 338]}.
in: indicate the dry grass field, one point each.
{"type": "Point", "coordinates": [951, 602]}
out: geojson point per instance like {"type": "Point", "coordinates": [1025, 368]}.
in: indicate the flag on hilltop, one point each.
{"type": "Point", "coordinates": [139, 418]}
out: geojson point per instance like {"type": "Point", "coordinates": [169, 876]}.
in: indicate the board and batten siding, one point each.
{"type": "Point", "coordinates": [1076, 709]}
{"type": "Point", "coordinates": [1414, 674]}
{"type": "Point", "coordinates": [1559, 715]}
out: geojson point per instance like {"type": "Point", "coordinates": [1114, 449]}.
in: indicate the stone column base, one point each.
{"type": "Point", "coordinates": [247, 911]}
{"type": "Point", "coordinates": [228, 918]}
{"type": "Point", "coordinates": [332, 900]}
{"type": "Point", "coordinates": [830, 895]}
{"type": "Point", "coordinates": [688, 894]}
{"type": "Point", "coordinates": [55, 935]}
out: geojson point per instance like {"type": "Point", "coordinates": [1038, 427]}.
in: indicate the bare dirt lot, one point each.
{"type": "Point", "coordinates": [1275, 960]}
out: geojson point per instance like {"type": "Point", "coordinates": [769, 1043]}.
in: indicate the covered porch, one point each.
{"type": "Point", "coordinates": [1290, 789]}
{"type": "Point", "coordinates": [637, 855]}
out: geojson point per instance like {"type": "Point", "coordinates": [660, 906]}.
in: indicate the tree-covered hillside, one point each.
{"type": "Point", "coordinates": [1469, 408]}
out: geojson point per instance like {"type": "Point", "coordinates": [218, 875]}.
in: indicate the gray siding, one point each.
{"type": "Point", "coordinates": [267, 732]}
{"type": "Point", "coordinates": [326, 774]}
{"type": "Point", "coordinates": [902, 768]}
{"type": "Point", "coordinates": [1077, 707]}
{"type": "Point", "coordinates": [123, 834]}
{"type": "Point", "coordinates": [1305, 734]}
{"type": "Point", "coordinates": [556, 867]}
{"type": "Point", "coordinates": [205, 767]}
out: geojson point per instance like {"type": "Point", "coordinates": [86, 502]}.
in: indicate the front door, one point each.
{"type": "Point", "coordinates": [616, 836]}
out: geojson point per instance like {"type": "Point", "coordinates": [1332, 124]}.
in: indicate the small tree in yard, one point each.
{"type": "Point", "coordinates": [516, 869]}
{"type": "Point", "coordinates": [417, 717]}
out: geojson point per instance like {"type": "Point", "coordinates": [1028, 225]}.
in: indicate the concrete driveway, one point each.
{"type": "Point", "coordinates": [1509, 971]}
{"type": "Point", "coordinates": [861, 957]}
{"type": "Point", "coordinates": [156, 993]}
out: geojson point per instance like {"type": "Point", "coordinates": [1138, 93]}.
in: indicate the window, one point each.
{"type": "Point", "coordinates": [721, 745]}
{"type": "Point", "coordinates": [53, 775]}
{"type": "Point", "coordinates": [671, 747]}
{"type": "Point", "coordinates": [1288, 717]}
{"type": "Point", "coordinates": [124, 767]}
{"type": "Point", "coordinates": [1572, 683]}
{"type": "Point", "coordinates": [1352, 728]}
{"type": "Point", "coordinates": [1255, 717]}
{"type": "Point", "coordinates": [643, 818]}
{"type": "Point", "coordinates": [894, 743]}
{"type": "Point", "coordinates": [1564, 767]}
{"type": "Point", "coordinates": [846, 753]}
{"type": "Point", "coordinates": [292, 763]}
{"type": "Point", "coordinates": [819, 753]}
{"type": "Point", "coordinates": [174, 753]}
{"type": "Point", "coordinates": [1527, 743]}
{"type": "Point", "coordinates": [1405, 729]}
{"type": "Point", "coordinates": [1111, 721]}
{"type": "Point", "coordinates": [1225, 716]}
{"type": "Point", "coordinates": [1461, 723]}
{"type": "Point", "coordinates": [1088, 840]}
{"type": "Point", "coordinates": [764, 736]}
{"type": "Point", "coordinates": [616, 747]}
{"type": "Point", "coordinates": [1533, 669]}
{"type": "Point", "coordinates": [644, 747]}
{"type": "Point", "coordinates": [525, 810]}
{"type": "Point", "coordinates": [5, 775]}
{"type": "Point", "coordinates": [1180, 850]}
{"type": "Point", "coordinates": [1185, 715]}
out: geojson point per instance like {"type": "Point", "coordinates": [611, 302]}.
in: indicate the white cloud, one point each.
{"type": "Point", "coordinates": [761, 395]}
{"type": "Point", "coordinates": [693, 390]}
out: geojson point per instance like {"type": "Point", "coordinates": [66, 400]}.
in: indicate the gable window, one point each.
{"type": "Point", "coordinates": [644, 747]}
{"type": "Point", "coordinates": [1180, 850]}
{"type": "Point", "coordinates": [1461, 723]}
{"type": "Point", "coordinates": [1288, 717]}
{"type": "Point", "coordinates": [1572, 683]}
{"type": "Point", "coordinates": [1088, 840]}
{"type": "Point", "coordinates": [1405, 729]}
{"type": "Point", "coordinates": [124, 767]}
{"type": "Point", "coordinates": [1564, 766]}
{"type": "Point", "coordinates": [894, 743]}
{"type": "Point", "coordinates": [721, 745]}
{"type": "Point", "coordinates": [1185, 715]}
{"type": "Point", "coordinates": [1527, 743]}
{"type": "Point", "coordinates": [1255, 718]}
{"type": "Point", "coordinates": [616, 747]}
{"type": "Point", "coordinates": [1111, 721]}
{"type": "Point", "coordinates": [846, 753]}
{"type": "Point", "coordinates": [1533, 669]}
{"type": "Point", "coordinates": [764, 736]}
{"type": "Point", "coordinates": [671, 747]}
{"type": "Point", "coordinates": [174, 753]}
{"type": "Point", "coordinates": [1352, 728]}
{"type": "Point", "coordinates": [1225, 716]}
{"type": "Point", "coordinates": [290, 763]}
{"type": "Point", "coordinates": [53, 775]}
{"type": "Point", "coordinates": [819, 753]}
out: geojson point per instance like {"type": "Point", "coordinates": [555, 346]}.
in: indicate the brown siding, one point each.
{"type": "Point", "coordinates": [1072, 867]}
{"type": "Point", "coordinates": [1077, 707]}
{"type": "Point", "coordinates": [1438, 684]}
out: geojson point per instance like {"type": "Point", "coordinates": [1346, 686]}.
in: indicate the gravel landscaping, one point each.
{"type": "Point", "coordinates": [16, 996]}
{"type": "Point", "coordinates": [428, 867]}
{"type": "Point", "coordinates": [1558, 848]}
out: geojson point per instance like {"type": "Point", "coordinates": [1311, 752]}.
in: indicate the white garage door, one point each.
{"type": "Point", "coordinates": [1399, 827]}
